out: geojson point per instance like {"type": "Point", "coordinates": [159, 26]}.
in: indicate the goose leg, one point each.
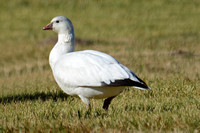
{"type": "Point", "coordinates": [86, 101]}
{"type": "Point", "coordinates": [107, 103]}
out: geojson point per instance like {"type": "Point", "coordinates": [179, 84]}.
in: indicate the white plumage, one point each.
{"type": "Point", "coordinates": [87, 74]}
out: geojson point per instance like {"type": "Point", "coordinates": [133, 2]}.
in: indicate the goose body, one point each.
{"type": "Point", "coordinates": [89, 73]}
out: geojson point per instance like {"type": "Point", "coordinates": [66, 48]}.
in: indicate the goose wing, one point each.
{"type": "Point", "coordinates": [93, 68]}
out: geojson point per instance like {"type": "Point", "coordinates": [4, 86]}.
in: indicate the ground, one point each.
{"type": "Point", "coordinates": [158, 40]}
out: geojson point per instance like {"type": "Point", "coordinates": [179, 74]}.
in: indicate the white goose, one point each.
{"type": "Point", "coordinates": [87, 74]}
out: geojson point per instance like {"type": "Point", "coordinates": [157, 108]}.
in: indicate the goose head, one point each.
{"type": "Point", "coordinates": [61, 25]}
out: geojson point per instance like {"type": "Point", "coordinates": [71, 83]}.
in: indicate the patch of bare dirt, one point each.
{"type": "Point", "coordinates": [183, 53]}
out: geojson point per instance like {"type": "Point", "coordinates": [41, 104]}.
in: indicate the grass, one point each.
{"type": "Point", "coordinates": [158, 40]}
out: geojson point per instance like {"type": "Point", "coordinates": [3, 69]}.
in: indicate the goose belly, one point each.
{"type": "Point", "coordinates": [98, 92]}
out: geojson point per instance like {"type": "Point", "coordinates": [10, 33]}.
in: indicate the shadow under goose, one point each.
{"type": "Point", "coordinates": [33, 97]}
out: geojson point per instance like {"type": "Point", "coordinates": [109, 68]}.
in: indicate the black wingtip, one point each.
{"type": "Point", "coordinates": [128, 82]}
{"type": "Point", "coordinates": [145, 86]}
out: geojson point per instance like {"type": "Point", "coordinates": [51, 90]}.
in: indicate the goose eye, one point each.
{"type": "Point", "coordinates": [57, 21]}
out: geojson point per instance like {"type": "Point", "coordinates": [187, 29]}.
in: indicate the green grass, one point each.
{"type": "Point", "coordinates": [158, 40]}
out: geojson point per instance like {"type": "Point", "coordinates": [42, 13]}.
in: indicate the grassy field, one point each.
{"type": "Point", "coordinates": [158, 40]}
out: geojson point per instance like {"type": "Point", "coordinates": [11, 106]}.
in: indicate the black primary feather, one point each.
{"type": "Point", "coordinates": [127, 82]}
